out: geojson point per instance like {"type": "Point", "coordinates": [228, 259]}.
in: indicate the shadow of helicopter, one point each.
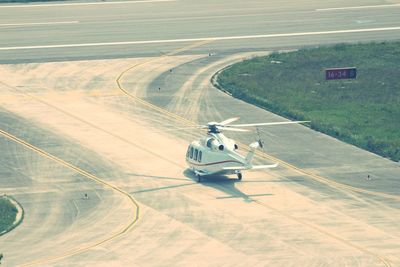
{"type": "Point", "coordinates": [160, 178]}
{"type": "Point", "coordinates": [224, 184]}
{"type": "Point", "coordinates": [221, 183]}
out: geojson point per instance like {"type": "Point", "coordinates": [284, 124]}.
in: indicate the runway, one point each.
{"type": "Point", "coordinates": [52, 32]}
{"type": "Point", "coordinates": [72, 126]}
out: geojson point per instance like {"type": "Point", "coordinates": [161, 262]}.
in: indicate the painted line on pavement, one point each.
{"type": "Point", "coordinates": [224, 38]}
{"type": "Point", "coordinates": [356, 7]}
{"type": "Point", "coordinates": [87, 4]}
{"type": "Point", "coordinates": [38, 23]}
{"type": "Point", "coordinates": [325, 231]}
{"type": "Point", "coordinates": [186, 122]}
{"type": "Point", "coordinates": [323, 180]}
{"type": "Point", "coordinates": [131, 222]}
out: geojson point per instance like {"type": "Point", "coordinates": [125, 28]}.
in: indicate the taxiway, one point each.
{"type": "Point", "coordinates": [101, 127]}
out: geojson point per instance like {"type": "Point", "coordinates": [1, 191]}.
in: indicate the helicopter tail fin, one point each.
{"type": "Point", "coordinates": [250, 155]}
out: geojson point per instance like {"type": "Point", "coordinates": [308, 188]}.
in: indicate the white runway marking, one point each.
{"type": "Point", "coordinates": [357, 7]}
{"type": "Point", "coordinates": [86, 4]}
{"type": "Point", "coordinates": [39, 23]}
{"type": "Point", "coordinates": [202, 39]}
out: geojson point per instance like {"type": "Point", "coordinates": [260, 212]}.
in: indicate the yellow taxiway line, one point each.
{"type": "Point", "coordinates": [187, 122]}
{"type": "Point", "coordinates": [264, 155]}
{"type": "Point", "coordinates": [325, 232]}
{"type": "Point", "coordinates": [261, 154]}
{"type": "Point", "coordinates": [84, 248]}
{"type": "Point", "coordinates": [135, 205]}
{"type": "Point", "coordinates": [326, 180]}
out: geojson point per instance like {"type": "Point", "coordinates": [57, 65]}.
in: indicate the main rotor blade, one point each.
{"type": "Point", "coordinates": [225, 122]}
{"type": "Point", "coordinates": [183, 128]}
{"type": "Point", "coordinates": [266, 123]}
{"type": "Point", "coordinates": [224, 128]}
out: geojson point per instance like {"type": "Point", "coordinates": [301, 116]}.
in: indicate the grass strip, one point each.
{"type": "Point", "coordinates": [364, 112]}
{"type": "Point", "coordinates": [29, 1]}
{"type": "Point", "coordinates": [8, 213]}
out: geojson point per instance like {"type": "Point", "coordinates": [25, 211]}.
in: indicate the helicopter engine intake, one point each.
{"type": "Point", "coordinates": [214, 144]}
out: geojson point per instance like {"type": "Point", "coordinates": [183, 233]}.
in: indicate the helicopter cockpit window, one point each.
{"type": "Point", "coordinates": [200, 155]}
{"type": "Point", "coordinates": [195, 154]}
{"type": "Point", "coordinates": [191, 152]}
{"type": "Point", "coordinates": [188, 152]}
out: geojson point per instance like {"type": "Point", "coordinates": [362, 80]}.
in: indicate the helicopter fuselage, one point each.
{"type": "Point", "coordinates": [214, 154]}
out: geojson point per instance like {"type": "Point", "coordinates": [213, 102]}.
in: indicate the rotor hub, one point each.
{"type": "Point", "coordinates": [213, 127]}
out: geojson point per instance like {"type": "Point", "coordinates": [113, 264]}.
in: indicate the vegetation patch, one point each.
{"type": "Point", "coordinates": [364, 112]}
{"type": "Point", "coordinates": [8, 213]}
{"type": "Point", "coordinates": [28, 1]}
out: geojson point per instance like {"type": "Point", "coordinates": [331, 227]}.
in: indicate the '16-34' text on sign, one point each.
{"type": "Point", "coordinates": [340, 73]}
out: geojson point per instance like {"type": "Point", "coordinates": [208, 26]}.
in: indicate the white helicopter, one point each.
{"type": "Point", "coordinates": [216, 153]}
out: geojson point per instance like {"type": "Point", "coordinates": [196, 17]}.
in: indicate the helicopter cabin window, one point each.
{"type": "Point", "coordinates": [191, 152]}
{"type": "Point", "coordinates": [200, 155]}
{"type": "Point", "coordinates": [195, 154]}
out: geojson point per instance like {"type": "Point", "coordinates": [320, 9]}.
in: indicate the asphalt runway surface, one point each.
{"type": "Point", "coordinates": [71, 126]}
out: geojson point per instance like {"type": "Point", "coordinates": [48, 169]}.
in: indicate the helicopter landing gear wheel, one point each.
{"type": "Point", "coordinates": [198, 178]}
{"type": "Point", "coordinates": [239, 175]}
